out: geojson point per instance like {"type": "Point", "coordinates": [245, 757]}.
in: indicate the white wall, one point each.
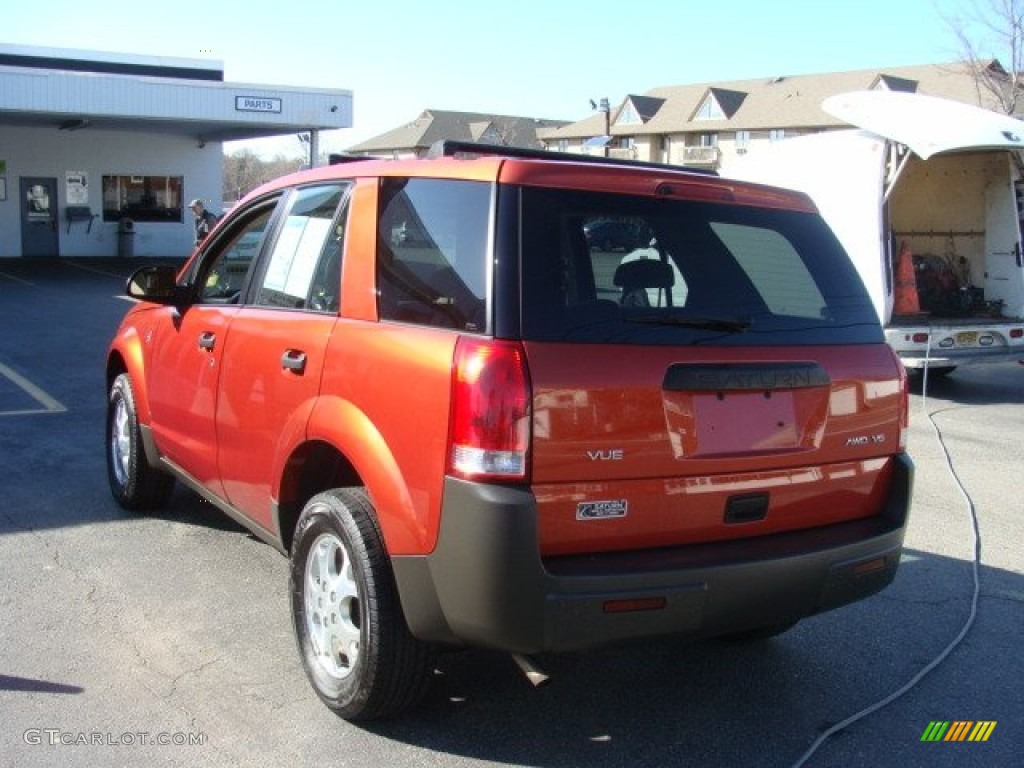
{"type": "Point", "coordinates": [46, 151]}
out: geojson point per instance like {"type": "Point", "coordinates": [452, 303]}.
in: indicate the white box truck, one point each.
{"type": "Point", "coordinates": [926, 191]}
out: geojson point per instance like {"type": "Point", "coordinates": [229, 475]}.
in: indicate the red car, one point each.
{"type": "Point", "coordinates": [466, 427]}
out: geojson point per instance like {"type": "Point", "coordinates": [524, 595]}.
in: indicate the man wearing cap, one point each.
{"type": "Point", "coordinates": [204, 220]}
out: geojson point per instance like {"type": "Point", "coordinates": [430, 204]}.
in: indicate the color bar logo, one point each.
{"type": "Point", "coordinates": [958, 730]}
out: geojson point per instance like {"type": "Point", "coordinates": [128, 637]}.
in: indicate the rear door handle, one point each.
{"type": "Point", "coordinates": [207, 339]}
{"type": "Point", "coordinates": [294, 360]}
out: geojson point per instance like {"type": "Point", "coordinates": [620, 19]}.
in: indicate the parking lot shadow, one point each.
{"type": "Point", "coordinates": [981, 385]}
{"type": "Point", "coordinates": [717, 703]}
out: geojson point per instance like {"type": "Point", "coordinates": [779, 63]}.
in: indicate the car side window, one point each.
{"type": "Point", "coordinates": [304, 265]}
{"type": "Point", "coordinates": [223, 276]}
{"type": "Point", "coordinates": [432, 251]}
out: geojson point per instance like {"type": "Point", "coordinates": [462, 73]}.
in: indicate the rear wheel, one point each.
{"type": "Point", "coordinates": [134, 483]}
{"type": "Point", "coordinates": [355, 645]}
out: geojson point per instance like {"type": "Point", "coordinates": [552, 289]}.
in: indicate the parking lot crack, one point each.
{"type": "Point", "coordinates": [1005, 594]}
{"type": "Point", "coordinates": [920, 600]}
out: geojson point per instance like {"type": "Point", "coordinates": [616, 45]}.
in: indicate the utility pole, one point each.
{"type": "Point", "coordinates": [605, 106]}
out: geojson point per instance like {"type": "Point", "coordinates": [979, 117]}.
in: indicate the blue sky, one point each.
{"type": "Point", "coordinates": [521, 57]}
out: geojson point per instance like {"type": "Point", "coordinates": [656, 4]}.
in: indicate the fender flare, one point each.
{"type": "Point", "coordinates": [342, 424]}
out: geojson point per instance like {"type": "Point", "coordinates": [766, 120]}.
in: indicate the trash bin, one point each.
{"type": "Point", "coordinates": [126, 239]}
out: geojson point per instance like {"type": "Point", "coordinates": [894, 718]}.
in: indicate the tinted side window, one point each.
{"type": "Point", "coordinates": [304, 266]}
{"type": "Point", "coordinates": [224, 272]}
{"type": "Point", "coordinates": [432, 252]}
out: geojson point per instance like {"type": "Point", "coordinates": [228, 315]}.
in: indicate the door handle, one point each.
{"type": "Point", "coordinates": [207, 339]}
{"type": "Point", "coordinates": [294, 360]}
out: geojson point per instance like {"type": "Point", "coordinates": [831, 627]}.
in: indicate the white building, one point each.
{"type": "Point", "coordinates": [100, 153]}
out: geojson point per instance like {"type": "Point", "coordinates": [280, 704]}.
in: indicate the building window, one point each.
{"type": "Point", "coordinates": [708, 140]}
{"type": "Point", "coordinates": [742, 139]}
{"type": "Point", "coordinates": [776, 134]}
{"type": "Point", "coordinates": [143, 198]}
{"type": "Point", "coordinates": [628, 115]}
{"type": "Point", "coordinates": [627, 142]}
{"type": "Point", "coordinates": [563, 145]}
{"type": "Point", "coordinates": [709, 109]}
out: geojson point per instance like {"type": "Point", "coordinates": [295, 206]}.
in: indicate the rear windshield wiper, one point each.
{"type": "Point", "coordinates": [727, 325]}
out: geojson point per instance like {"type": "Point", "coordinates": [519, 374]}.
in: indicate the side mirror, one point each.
{"type": "Point", "coordinates": [157, 284]}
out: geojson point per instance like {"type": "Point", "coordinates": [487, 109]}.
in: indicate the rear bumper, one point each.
{"type": "Point", "coordinates": [944, 351]}
{"type": "Point", "coordinates": [941, 359]}
{"type": "Point", "coordinates": [486, 585]}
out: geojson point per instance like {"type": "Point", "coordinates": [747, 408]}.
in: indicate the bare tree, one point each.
{"type": "Point", "coordinates": [242, 172]}
{"type": "Point", "coordinates": [991, 39]}
{"type": "Point", "coordinates": [245, 170]}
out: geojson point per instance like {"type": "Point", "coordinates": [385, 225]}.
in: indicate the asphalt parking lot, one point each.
{"type": "Point", "coordinates": [120, 632]}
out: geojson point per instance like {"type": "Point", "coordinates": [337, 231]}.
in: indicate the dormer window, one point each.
{"type": "Point", "coordinates": [719, 104]}
{"type": "Point", "coordinates": [709, 109]}
{"type": "Point", "coordinates": [628, 115]}
{"type": "Point", "coordinates": [890, 83]}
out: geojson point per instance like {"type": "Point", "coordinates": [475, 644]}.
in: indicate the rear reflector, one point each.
{"type": "Point", "coordinates": [870, 566]}
{"type": "Point", "coordinates": [636, 604]}
{"type": "Point", "coordinates": [904, 417]}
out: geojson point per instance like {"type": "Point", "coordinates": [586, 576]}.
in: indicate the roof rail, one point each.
{"type": "Point", "coordinates": [451, 148]}
{"type": "Point", "coordinates": [338, 158]}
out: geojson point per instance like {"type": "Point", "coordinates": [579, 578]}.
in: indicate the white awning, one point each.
{"type": "Point", "coordinates": [597, 141]}
{"type": "Point", "coordinates": [70, 90]}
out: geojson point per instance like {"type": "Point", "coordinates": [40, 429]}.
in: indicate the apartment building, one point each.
{"type": "Point", "coordinates": [707, 124]}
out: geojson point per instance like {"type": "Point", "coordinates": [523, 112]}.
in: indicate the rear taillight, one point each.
{"type": "Point", "coordinates": [489, 435]}
{"type": "Point", "coordinates": [904, 403]}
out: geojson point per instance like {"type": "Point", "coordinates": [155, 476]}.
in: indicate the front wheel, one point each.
{"type": "Point", "coordinates": [134, 483]}
{"type": "Point", "coordinates": [355, 645]}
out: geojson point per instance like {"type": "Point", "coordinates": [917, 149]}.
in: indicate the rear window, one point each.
{"type": "Point", "coordinates": [608, 268]}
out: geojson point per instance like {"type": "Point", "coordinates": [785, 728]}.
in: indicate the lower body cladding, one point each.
{"type": "Point", "coordinates": [486, 585]}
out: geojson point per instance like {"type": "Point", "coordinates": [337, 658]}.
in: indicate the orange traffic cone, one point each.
{"type": "Point", "coordinates": [905, 302]}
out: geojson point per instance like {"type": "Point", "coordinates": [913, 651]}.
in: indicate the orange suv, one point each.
{"type": "Point", "coordinates": [466, 424]}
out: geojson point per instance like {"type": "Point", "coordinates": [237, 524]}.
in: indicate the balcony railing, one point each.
{"type": "Point", "coordinates": [700, 155]}
{"type": "Point", "coordinates": [623, 153]}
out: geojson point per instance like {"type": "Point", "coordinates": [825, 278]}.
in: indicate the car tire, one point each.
{"type": "Point", "coordinates": [353, 639]}
{"type": "Point", "coordinates": [135, 484]}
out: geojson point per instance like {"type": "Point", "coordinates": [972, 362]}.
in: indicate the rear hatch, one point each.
{"type": "Point", "coordinates": [926, 124]}
{"type": "Point", "coordinates": [726, 378]}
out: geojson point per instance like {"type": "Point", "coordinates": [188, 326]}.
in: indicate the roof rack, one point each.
{"type": "Point", "coordinates": [451, 148]}
{"type": "Point", "coordinates": [339, 158]}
